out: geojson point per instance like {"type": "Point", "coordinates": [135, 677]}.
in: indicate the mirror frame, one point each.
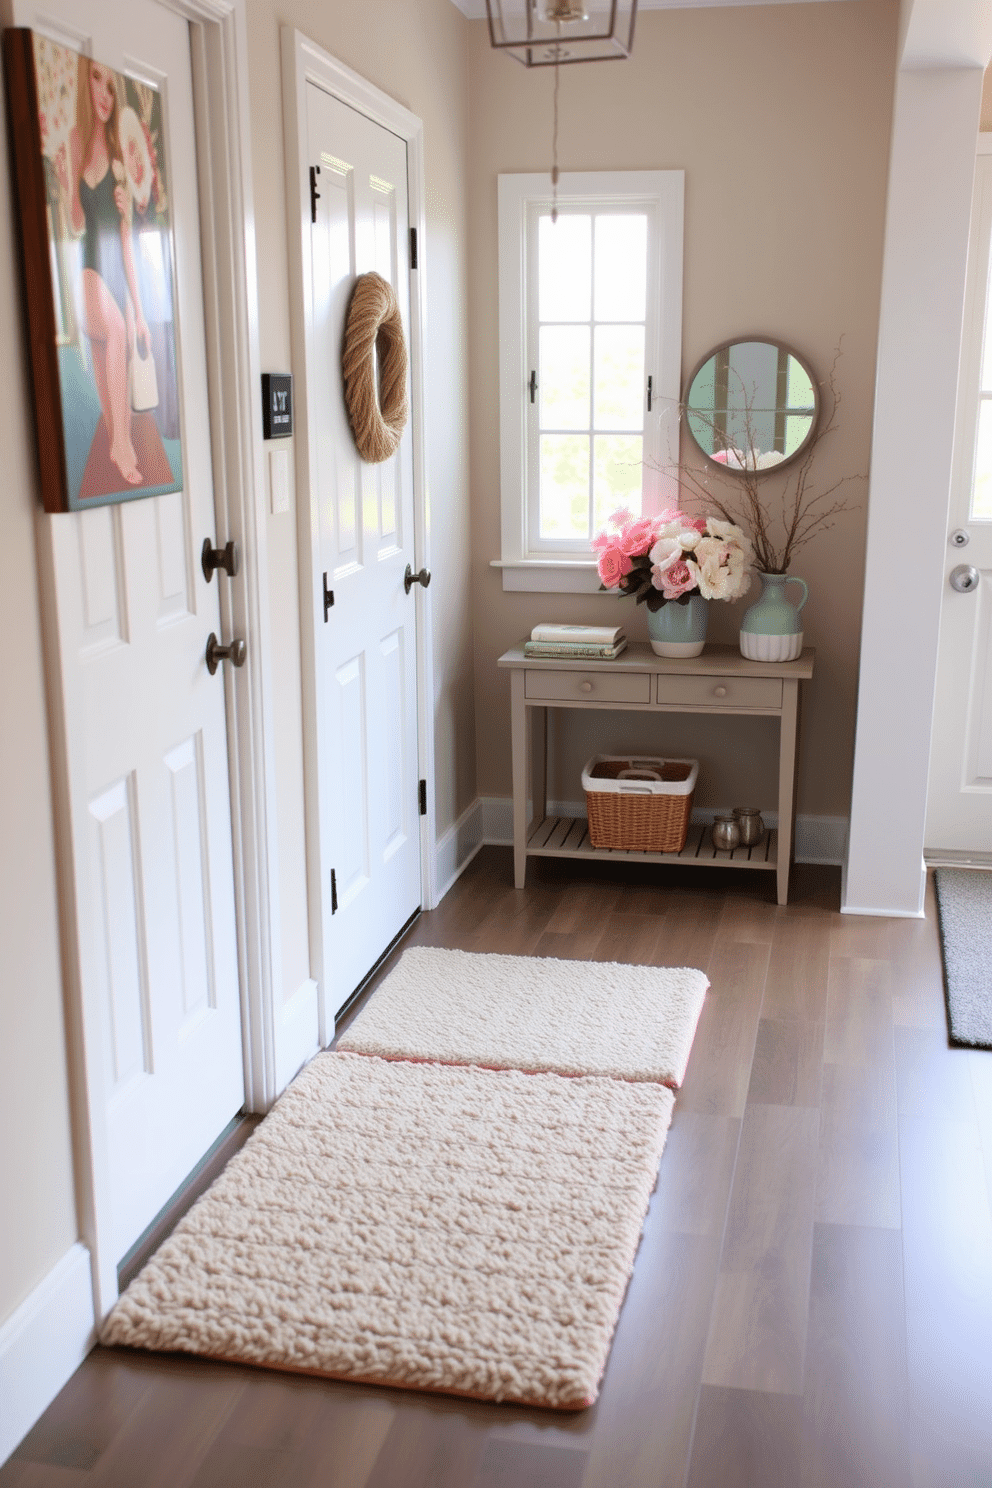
{"type": "Point", "coordinates": [779, 346]}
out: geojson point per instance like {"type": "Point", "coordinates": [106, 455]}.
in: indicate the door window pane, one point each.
{"type": "Point", "coordinates": [617, 475]}
{"type": "Point", "coordinates": [563, 377]}
{"type": "Point", "coordinates": [621, 266]}
{"type": "Point", "coordinates": [564, 485]}
{"type": "Point", "coordinates": [564, 268]}
{"type": "Point", "coordinates": [981, 496]}
{"type": "Point", "coordinates": [619, 377]}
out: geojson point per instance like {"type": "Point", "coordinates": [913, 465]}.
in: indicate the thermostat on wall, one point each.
{"type": "Point", "coordinates": [277, 405]}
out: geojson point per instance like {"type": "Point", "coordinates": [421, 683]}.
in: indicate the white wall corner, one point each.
{"type": "Point", "coordinates": [457, 847]}
{"type": "Point", "coordinates": [928, 217]}
{"type": "Point", "coordinates": [43, 1343]}
{"type": "Point", "coordinates": [297, 1037]}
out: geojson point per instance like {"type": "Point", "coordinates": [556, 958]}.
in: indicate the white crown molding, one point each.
{"type": "Point", "coordinates": [475, 10]}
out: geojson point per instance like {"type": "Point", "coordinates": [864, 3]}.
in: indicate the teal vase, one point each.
{"type": "Point", "coordinates": [771, 630]}
{"type": "Point", "coordinates": [677, 629]}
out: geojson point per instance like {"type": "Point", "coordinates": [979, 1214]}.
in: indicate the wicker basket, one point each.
{"type": "Point", "coordinates": [640, 804]}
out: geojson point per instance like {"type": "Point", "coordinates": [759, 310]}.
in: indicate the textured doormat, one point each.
{"type": "Point", "coordinates": [964, 913]}
{"type": "Point", "coordinates": [464, 1230]}
{"type": "Point", "coordinates": [533, 1013]}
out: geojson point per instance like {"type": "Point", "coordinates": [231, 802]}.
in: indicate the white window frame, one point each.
{"type": "Point", "coordinates": [662, 194]}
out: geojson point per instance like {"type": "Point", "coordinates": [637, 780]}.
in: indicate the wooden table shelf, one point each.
{"type": "Point", "coordinates": [720, 681]}
{"type": "Point", "coordinates": [568, 837]}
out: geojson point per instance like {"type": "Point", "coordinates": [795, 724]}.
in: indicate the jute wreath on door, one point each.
{"type": "Point", "coordinates": [374, 334]}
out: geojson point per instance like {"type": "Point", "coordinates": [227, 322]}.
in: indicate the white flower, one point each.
{"type": "Point", "coordinates": [665, 551]}
{"type": "Point", "coordinates": [769, 458]}
{"type": "Point", "coordinates": [688, 539]}
{"type": "Point", "coordinates": [723, 569]}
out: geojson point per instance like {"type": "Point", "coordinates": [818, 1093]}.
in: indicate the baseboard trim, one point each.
{"type": "Point", "coordinates": [297, 1034]}
{"type": "Point", "coordinates": [819, 839]}
{"type": "Point", "coordinates": [43, 1343]}
{"type": "Point", "coordinates": [458, 846]}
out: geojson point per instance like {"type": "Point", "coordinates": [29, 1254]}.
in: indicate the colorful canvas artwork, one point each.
{"type": "Point", "coordinates": [98, 265]}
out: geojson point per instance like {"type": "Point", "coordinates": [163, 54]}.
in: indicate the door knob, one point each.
{"type": "Point", "coordinates": [225, 558]}
{"type": "Point", "coordinates": [964, 578]}
{"type": "Point", "coordinates": [423, 577]}
{"type": "Point", "coordinates": [235, 652]}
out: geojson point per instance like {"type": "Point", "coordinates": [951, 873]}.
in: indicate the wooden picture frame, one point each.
{"type": "Point", "coordinates": [98, 264]}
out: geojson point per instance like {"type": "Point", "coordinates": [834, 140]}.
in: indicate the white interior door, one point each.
{"type": "Point", "coordinates": [145, 733]}
{"type": "Point", "coordinates": [959, 804]}
{"type": "Point", "coordinates": [365, 643]}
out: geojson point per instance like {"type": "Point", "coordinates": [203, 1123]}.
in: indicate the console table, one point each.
{"type": "Point", "coordinates": [718, 681]}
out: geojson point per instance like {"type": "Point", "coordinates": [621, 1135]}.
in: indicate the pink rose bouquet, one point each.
{"type": "Point", "coordinates": [672, 556]}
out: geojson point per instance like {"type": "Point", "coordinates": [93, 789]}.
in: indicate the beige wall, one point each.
{"type": "Point", "coordinates": [987, 101]}
{"type": "Point", "coordinates": [780, 116]}
{"type": "Point", "coordinates": [39, 1219]}
{"type": "Point", "coordinates": [416, 52]}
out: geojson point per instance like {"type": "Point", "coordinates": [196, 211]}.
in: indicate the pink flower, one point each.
{"type": "Point", "coordinates": [637, 536]}
{"type": "Point", "coordinates": [612, 565]}
{"type": "Point", "coordinates": [621, 517]}
{"type": "Point", "coordinates": [698, 524]}
{"type": "Point", "coordinates": [677, 578]}
{"type": "Point", "coordinates": [601, 540]}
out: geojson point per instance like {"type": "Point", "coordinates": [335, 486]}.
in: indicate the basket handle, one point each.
{"type": "Point", "coordinates": [644, 772]}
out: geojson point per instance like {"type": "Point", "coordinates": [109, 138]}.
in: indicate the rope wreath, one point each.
{"type": "Point", "coordinates": [374, 330]}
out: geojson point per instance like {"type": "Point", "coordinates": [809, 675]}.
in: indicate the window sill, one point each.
{"type": "Point", "coordinates": [549, 575]}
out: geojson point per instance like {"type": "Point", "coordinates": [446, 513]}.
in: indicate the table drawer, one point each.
{"type": "Point", "coordinates": [720, 692]}
{"type": "Point", "coordinates": [588, 687]}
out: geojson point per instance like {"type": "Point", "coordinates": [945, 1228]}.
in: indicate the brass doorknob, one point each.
{"type": "Point", "coordinates": [235, 652]}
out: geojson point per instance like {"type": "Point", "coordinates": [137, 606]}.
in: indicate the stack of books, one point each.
{"type": "Point", "coordinates": [577, 642]}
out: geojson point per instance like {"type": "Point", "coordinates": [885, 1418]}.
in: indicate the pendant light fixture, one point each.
{"type": "Point", "coordinates": [544, 33]}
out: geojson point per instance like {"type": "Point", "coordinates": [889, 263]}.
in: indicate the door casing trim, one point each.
{"type": "Point", "coordinates": [304, 62]}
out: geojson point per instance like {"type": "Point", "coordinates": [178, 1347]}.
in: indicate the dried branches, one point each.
{"type": "Point", "coordinates": [778, 525]}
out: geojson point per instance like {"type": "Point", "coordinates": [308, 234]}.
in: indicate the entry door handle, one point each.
{"type": "Point", "coordinates": [225, 558]}
{"type": "Point", "coordinates": [409, 578]}
{"type": "Point", "coordinates": [235, 652]}
{"type": "Point", "coordinates": [965, 579]}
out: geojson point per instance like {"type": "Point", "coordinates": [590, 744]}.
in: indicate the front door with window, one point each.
{"type": "Point", "coordinates": [959, 803]}
{"type": "Point", "coordinates": [145, 746]}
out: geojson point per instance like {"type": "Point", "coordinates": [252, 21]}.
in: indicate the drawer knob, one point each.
{"type": "Point", "coordinates": [719, 692]}
{"type": "Point", "coordinates": [585, 687]}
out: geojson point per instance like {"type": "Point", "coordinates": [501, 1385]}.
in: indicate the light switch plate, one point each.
{"type": "Point", "coordinates": [279, 480]}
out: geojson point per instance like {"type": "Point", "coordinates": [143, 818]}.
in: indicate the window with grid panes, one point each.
{"type": "Point", "coordinates": [590, 333]}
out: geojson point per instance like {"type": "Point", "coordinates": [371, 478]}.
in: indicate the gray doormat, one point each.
{"type": "Point", "coordinates": [964, 913]}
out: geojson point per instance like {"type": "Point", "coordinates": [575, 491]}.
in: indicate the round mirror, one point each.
{"type": "Point", "coordinates": [752, 405]}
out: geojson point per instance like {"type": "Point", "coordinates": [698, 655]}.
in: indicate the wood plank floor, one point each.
{"type": "Point", "coordinates": [812, 1301]}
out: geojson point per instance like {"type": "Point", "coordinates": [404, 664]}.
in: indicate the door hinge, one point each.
{"type": "Point", "coordinates": [314, 193]}
{"type": "Point", "coordinates": [334, 892]}
{"type": "Point", "coordinates": [423, 798]}
{"type": "Point", "coordinates": [328, 598]}
{"type": "Point", "coordinates": [650, 386]}
{"type": "Point", "coordinates": [532, 384]}
{"type": "Point", "coordinates": [413, 248]}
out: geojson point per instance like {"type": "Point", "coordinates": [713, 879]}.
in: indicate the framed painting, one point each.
{"type": "Point", "coordinates": [97, 249]}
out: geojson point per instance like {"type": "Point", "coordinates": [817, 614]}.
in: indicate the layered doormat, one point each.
{"type": "Point", "coordinates": [964, 911]}
{"type": "Point", "coordinates": [421, 1225]}
{"type": "Point", "coordinates": [533, 1013]}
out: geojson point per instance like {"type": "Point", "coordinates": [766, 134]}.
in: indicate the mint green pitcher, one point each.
{"type": "Point", "coordinates": [771, 629]}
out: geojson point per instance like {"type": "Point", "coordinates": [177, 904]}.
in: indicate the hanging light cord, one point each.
{"type": "Point", "coordinates": [554, 147]}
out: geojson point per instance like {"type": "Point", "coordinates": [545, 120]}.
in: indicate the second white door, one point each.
{"type": "Point", "coordinates": [365, 641]}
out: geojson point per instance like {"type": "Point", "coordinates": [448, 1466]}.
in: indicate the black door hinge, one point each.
{"type": "Point", "coordinates": [650, 387]}
{"type": "Point", "coordinates": [334, 892]}
{"type": "Point", "coordinates": [533, 386]}
{"type": "Point", "coordinates": [413, 247]}
{"type": "Point", "coordinates": [328, 598]}
{"type": "Point", "coordinates": [314, 193]}
{"type": "Point", "coordinates": [423, 798]}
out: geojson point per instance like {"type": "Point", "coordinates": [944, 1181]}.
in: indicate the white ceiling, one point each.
{"type": "Point", "coordinates": [476, 9]}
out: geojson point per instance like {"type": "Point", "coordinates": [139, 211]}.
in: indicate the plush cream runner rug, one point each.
{"type": "Point", "coordinates": [464, 1230]}
{"type": "Point", "coordinates": [533, 1013]}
